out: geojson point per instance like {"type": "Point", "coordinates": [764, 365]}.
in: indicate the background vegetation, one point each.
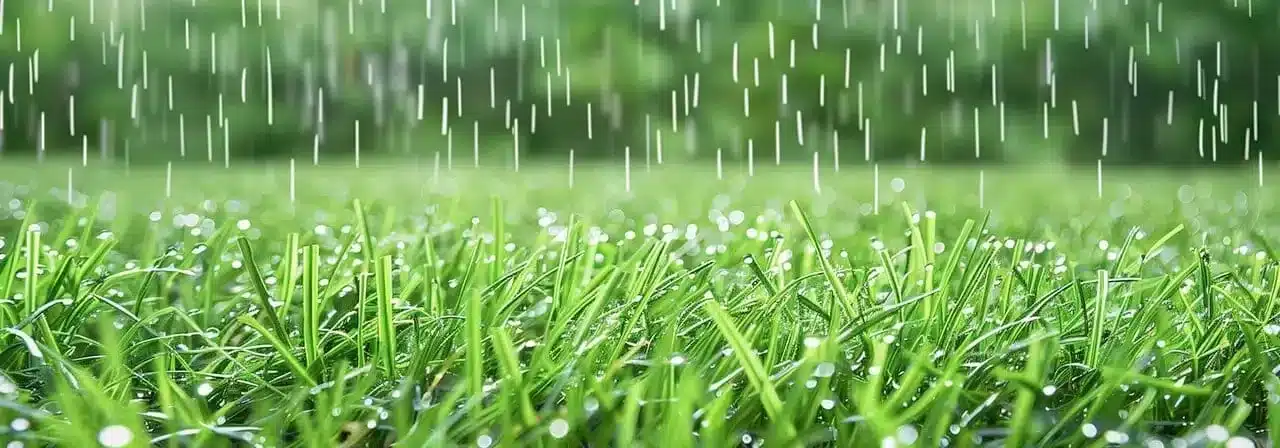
{"type": "Point", "coordinates": [1171, 81]}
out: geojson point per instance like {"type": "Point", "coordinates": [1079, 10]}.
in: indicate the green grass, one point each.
{"type": "Point", "coordinates": [207, 307]}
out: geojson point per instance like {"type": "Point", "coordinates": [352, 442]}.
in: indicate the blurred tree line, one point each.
{"type": "Point", "coordinates": [958, 81]}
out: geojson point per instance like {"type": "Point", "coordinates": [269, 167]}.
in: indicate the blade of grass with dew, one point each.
{"type": "Point", "coordinates": [935, 306]}
{"type": "Point", "coordinates": [917, 252]}
{"type": "Point", "coordinates": [499, 263]}
{"type": "Point", "coordinates": [1205, 285]}
{"type": "Point", "coordinates": [678, 428]}
{"type": "Point", "coordinates": [310, 325]}
{"type": "Point", "coordinates": [362, 309]}
{"type": "Point", "coordinates": [31, 290]}
{"type": "Point", "coordinates": [475, 325]}
{"type": "Point", "coordinates": [369, 248]}
{"type": "Point", "coordinates": [755, 371]}
{"type": "Point", "coordinates": [431, 278]}
{"type": "Point", "coordinates": [267, 310]}
{"type": "Point", "coordinates": [281, 349]}
{"type": "Point", "coordinates": [1099, 319]}
{"type": "Point", "coordinates": [834, 281]}
{"type": "Point", "coordinates": [386, 317]}
{"type": "Point", "coordinates": [505, 352]}
{"type": "Point", "coordinates": [1022, 424]}
{"type": "Point", "coordinates": [288, 271]}
{"type": "Point", "coordinates": [1012, 272]}
{"type": "Point", "coordinates": [642, 288]}
{"type": "Point", "coordinates": [976, 275]}
{"type": "Point", "coordinates": [1121, 254]}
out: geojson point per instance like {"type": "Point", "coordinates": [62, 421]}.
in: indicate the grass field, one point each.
{"type": "Point", "coordinates": [394, 304]}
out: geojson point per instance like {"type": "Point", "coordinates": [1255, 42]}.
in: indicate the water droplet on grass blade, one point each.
{"type": "Point", "coordinates": [1217, 433]}
{"type": "Point", "coordinates": [1116, 437]}
{"type": "Point", "coordinates": [20, 424]}
{"type": "Point", "coordinates": [824, 370]}
{"type": "Point", "coordinates": [559, 428]}
{"type": "Point", "coordinates": [1089, 430]}
{"type": "Point", "coordinates": [1240, 442]}
{"type": "Point", "coordinates": [115, 436]}
{"type": "Point", "coordinates": [907, 434]}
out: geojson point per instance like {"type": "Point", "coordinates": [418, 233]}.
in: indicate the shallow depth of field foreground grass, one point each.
{"type": "Point", "coordinates": [207, 307]}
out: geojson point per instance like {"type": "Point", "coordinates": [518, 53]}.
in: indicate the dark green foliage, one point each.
{"type": "Point", "coordinates": [639, 70]}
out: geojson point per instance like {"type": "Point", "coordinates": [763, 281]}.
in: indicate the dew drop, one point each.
{"type": "Point", "coordinates": [907, 434]}
{"type": "Point", "coordinates": [1089, 430]}
{"type": "Point", "coordinates": [1116, 437]}
{"type": "Point", "coordinates": [115, 436]}
{"type": "Point", "coordinates": [824, 370]}
{"type": "Point", "coordinates": [1217, 433]}
{"type": "Point", "coordinates": [1240, 442]}
{"type": "Point", "coordinates": [559, 428]}
{"type": "Point", "coordinates": [20, 424]}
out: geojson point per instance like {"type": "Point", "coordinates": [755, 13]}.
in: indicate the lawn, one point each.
{"type": "Point", "coordinates": [329, 306]}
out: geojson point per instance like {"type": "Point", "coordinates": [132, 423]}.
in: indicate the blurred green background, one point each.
{"type": "Point", "coordinates": [989, 81]}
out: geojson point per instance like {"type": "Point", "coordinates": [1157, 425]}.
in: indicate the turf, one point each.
{"type": "Point", "coordinates": [669, 307]}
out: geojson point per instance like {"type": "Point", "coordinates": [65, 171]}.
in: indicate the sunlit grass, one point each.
{"type": "Point", "coordinates": [496, 309]}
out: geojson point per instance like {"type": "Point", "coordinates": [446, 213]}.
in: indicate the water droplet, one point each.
{"type": "Point", "coordinates": [1240, 442]}
{"type": "Point", "coordinates": [204, 389]}
{"type": "Point", "coordinates": [484, 441]}
{"type": "Point", "coordinates": [1049, 390]}
{"type": "Point", "coordinates": [20, 424]}
{"type": "Point", "coordinates": [907, 434]}
{"type": "Point", "coordinates": [1089, 430]}
{"type": "Point", "coordinates": [824, 370]}
{"type": "Point", "coordinates": [115, 436]}
{"type": "Point", "coordinates": [559, 428]}
{"type": "Point", "coordinates": [1116, 437]}
{"type": "Point", "coordinates": [1217, 433]}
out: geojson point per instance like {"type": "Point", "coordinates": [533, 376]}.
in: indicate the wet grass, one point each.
{"type": "Point", "coordinates": [334, 307]}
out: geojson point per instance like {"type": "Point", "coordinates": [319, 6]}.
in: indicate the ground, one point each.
{"type": "Point", "coordinates": [198, 306]}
